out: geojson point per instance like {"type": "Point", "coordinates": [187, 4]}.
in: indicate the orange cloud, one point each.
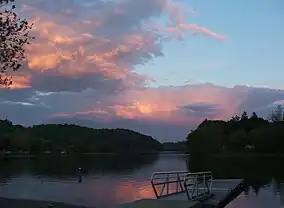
{"type": "Point", "coordinates": [71, 53]}
{"type": "Point", "coordinates": [19, 82]}
{"type": "Point", "coordinates": [170, 104]}
{"type": "Point", "coordinates": [73, 44]}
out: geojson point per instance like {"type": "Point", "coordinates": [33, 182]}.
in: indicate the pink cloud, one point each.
{"type": "Point", "coordinates": [178, 31]}
{"type": "Point", "coordinates": [202, 30]}
{"type": "Point", "coordinates": [97, 48]}
{"type": "Point", "coordinates": [20, 81]}
{"type": "Point", "coordinates": [107, 39]}
{"type": "Point", "coordinates": [165, 112]}
{"type": "Point", "coordinates": [168, 104]}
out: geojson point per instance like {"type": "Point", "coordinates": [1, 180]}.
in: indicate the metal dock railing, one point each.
{"type": "Point", "coordinates": [161, 182]}
{"type": "Point", "coordinates": [185, 189]}
{"type": "Point", "coordinates": [196, 185]}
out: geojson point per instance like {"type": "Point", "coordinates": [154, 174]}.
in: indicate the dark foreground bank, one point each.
{"type": "Point", "coordinates": [23, 203]}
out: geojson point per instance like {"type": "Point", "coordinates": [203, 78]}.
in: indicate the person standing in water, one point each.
{"type": "Point", "coordinates": [80, 175]}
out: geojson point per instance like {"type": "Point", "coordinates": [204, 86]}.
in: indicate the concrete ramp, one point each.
{"type": "Point", "coordinates": [153, 203]}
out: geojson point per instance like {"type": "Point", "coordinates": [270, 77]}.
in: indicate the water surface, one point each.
{"type": "Point", "coordinates": [108, 180]}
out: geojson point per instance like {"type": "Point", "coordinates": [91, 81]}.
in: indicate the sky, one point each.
{"type": "Point", "coordinates": [159, 67]}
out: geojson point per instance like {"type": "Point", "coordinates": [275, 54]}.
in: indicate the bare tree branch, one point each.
{"type": "Point", "coordinates": [14, 35]}
{"type": "Point", "coordinates": [4, 2]}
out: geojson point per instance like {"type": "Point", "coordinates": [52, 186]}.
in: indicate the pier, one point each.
{"type": "Point", "coordinates": [181, 189]}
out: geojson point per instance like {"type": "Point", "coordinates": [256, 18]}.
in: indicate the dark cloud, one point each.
{"type": "Point", "coordinates": [261, 98]}
{"type": "Point", "coordinates": [19, 95]}
{"type": "Point", "coordinates": [21, 113]}
{"type": "Point", "coordinates": [54, 82]}
{"type": "Point", "coordinates": [201, 109]}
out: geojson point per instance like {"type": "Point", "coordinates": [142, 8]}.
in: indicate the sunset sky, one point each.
{"type": "Point", "coordinates": [156, 66]}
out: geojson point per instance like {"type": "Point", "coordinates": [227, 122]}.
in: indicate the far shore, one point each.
{"type": "Point", "coordinates": [19, 155]}
{"type": "Point", "coordinates": [245, 154]}
{"type": "Point", "coordinates": [218, 155]}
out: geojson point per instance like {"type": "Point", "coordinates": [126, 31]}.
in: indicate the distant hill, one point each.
{"type": "Point", "coordinates": [175, 146]}
{"type": "Point", "coordinates": [162, 131]}
{"type": "Point", "coordinates": [73, 138]}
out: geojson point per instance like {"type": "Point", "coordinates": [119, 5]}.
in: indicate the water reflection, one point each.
{"type": "Point", "coordinates": [105, 180]}
{"type": "Point", "coordinates": [65, 168]}
{"type": "Point", "coordinates": [264, 177]}
{"type": "Point", "coordinates": [257, 171]}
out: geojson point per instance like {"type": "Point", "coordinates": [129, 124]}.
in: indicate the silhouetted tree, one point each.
{"type": "Point", "coordinates": [254, 116]}
{"type": "Point", "coordinates": [14, 35]}
{"type": "Point", "coordinates": [244, 116]}
{"type": "Point", "coordinates": [235, 118]}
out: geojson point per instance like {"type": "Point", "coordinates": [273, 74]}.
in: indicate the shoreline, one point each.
{"type": "Point", "coordinates": [28, 203]}
{"type": "Point", "coordinates": [219, 155]}
{"type": "Point", "coordinates": [248, 155]}
{"type": "Point", "coordinates": [28, 156]}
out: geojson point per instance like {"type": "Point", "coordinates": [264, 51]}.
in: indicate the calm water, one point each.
{"type": "Point", "coordinates": [108, 180]}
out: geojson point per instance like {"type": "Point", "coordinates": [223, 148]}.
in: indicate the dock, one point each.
{"type": "Point", "coordinates": [181, 189]}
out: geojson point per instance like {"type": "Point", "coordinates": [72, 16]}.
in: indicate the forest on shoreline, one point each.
{"type": "Point", "coordinates": [241, 134]}
{"type": "Point", "coordinates": [67, 138]}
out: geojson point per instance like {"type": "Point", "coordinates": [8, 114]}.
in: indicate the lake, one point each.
{"type": "Point", "coordinates": [111, 179]}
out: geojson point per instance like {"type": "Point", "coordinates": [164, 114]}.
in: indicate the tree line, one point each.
{"type": "Point", "coordinates": [179, 146]}
{"type": "Point", "coordinates": [67, 138]}
{"type": "Point", "coordinates": [240, 134]}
